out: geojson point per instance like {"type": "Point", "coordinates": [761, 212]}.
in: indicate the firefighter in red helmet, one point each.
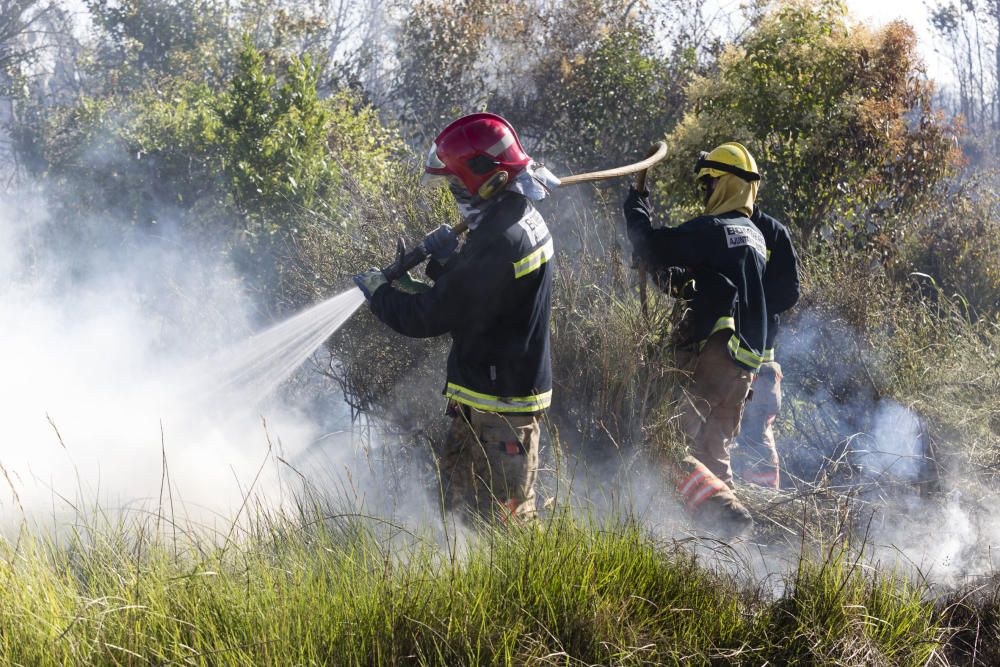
{"type": "Point", "coordinates": [493, 296]}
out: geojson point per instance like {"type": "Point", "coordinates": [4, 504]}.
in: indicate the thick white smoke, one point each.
{"type": "Point", "coordinates": [95, 390]}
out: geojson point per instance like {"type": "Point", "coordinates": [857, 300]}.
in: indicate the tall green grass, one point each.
{"type": "Point", "coordinates": [316, 588]}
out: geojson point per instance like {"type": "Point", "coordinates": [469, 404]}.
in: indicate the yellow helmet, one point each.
{"type": "Point", "coordinates": [728, 158]}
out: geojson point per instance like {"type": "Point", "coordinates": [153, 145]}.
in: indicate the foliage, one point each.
{"type": "Point", "coordinates": [837, 117]}
{"type": "Point", "coordinates": [146, 40]}
{"type": "Point", "coordinates": [586, 82]}
{"type": "Point", "coordinates": [251, 166]}
{"type": "Point", "coordinates": [325, 587]}
{"type": "Point", "coordinates": [860, 337]}
{"type": "Point", "coordinates": [188, 131]}
{"type": "Point", "coordinates": [444, 61]}
{"type": "Point", "coordinates": [959, 245]}
{"type": "Point", "coordinates": [28, 28]}
{"type": "Point", "coordinates": [600, 101]}
{"type": "Point", "coordinates": [613, 359]}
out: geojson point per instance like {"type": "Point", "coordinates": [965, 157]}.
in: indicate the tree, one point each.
{"type": "Point", "coordinates": [33, 33]}
{"type": "Point", "coordinates": [22, 24]}
{"type": "Point", "coordinates": [602, 88]}
{"type": "Point", "coordinates": [969, 33]}
{"type": "Point", "coordinates": [587, 83]}
{"type": "Point", "coordinates": [839, 119]}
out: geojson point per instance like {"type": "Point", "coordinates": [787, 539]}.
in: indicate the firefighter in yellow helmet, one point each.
{"type": "Point", "coordinates": [756, 459]}
{"type": "Point", "coordinates": [725, 254]}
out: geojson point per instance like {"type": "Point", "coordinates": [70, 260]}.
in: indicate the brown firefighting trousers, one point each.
{"type": "Point", "coordinates": [756, 458]}
{"type": "Point", "coordinates": [489, 463]}
{"type": "Point", "coordinates": [713, 405]}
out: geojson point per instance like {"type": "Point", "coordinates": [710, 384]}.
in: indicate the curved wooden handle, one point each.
{"type": "Point", "coordinates": [640, 181]}
{"type": "Point", "coordinates": [657, 152]}
{"type": "Point", "coordinates": [640, 185]}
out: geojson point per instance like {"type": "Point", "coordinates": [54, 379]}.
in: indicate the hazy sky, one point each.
{"type": "Point", "coordinates": [914, 12]}
{"type": "Point", "coordinates": [874, 12]}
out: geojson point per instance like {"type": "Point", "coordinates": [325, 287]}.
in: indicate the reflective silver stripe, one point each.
{"type": "Point", "coordinates": [433, 161]}
{"type": "Point", "coordinates": [736, 349]}
{"type": "Point", "coordinates": [534, 259]}
{"type": "Point", "coordinates": [723, 323]}
{"type": "Point", "coordinates": [498, 403]}
{"type": "Point", "coordinates": [709, 490]}
{"type": "Point", "coordinates": [689, 482]}
{"type": "Point", "coordinates": [506, 141]}
{"type": "Point", "coordinates": [768, 356]}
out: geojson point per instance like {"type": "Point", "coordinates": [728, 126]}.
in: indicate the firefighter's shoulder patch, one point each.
{"type": "Point", "coordinates": [745, 235]}
{"type": "Point", "coordinates": [534, 227]}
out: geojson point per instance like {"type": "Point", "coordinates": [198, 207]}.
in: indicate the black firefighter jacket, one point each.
{"type": "Point", "coordinates": [726, 254]}
{"type": "Point", "coordinates": [781, 279]}
{"type": "Point", "coordinates": [494, 298]}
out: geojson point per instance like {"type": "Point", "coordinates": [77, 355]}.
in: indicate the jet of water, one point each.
{"type": "Point", "coordinates": [246, 373]}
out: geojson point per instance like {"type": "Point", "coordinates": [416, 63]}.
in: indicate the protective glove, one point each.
{"type": "Point", "coordinates": [638, 219]}
{"type": "Point", "coordinates": [369, 281]}
{"type": "Point", "coordinates": [638, 200]}
{"type": "Point", "coordinates": [407, 283]}
{"type": "Point", "coordinates": [441, 243]}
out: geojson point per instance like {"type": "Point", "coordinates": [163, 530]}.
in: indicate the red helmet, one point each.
{"type": "Point", "coordinates": [482, 150]}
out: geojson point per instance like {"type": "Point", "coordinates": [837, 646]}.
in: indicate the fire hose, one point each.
{"type": "Point", "coordinates": [408, 259]}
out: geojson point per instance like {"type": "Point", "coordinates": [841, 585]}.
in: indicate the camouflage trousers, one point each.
{"type": "Point", "coordinates": [489, 463]}
{"type": "Point", "coordinates": [756, 459]}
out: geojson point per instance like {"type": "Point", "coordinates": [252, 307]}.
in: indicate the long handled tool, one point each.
{"type": "Point", "coordinates": [408, 259]}
{"type": "Point", "coordinates": [640, 185]}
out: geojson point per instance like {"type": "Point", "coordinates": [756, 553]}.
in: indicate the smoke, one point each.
{"type": "Point", "coordinates": [874, 453]}
{"type": "Point", "coordinates": [100, 407]}
{"type": "Point", "coordinates": [893, 449]}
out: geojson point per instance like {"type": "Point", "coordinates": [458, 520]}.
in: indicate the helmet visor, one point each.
{"type": "Point", "coordinates": [433, 164]}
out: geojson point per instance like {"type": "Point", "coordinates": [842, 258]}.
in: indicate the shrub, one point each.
{"type": "Point", "coordinates": [841, 125]}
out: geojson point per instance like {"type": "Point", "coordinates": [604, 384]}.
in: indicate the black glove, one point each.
{"type": "Point", "coordinates": [637, 200]}
{"type": "Point", "coordinates": [441, 243]}
{"type": "Point", "coordinates": [638, 221]}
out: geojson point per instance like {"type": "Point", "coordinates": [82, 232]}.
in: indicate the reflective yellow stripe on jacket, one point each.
{"type": "Point", "coordinates": [736, 350]}
{"type": "Point", "coordinates": [534, 403]}
{"type": "Point", "coordinates": [534, 259]}
{"type": "Point", "coordinates": [742, 354]}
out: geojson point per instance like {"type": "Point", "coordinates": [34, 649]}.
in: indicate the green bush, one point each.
{"type": "Point", "coordinates": [252, 168]}
{"type": "Point", "coordinates": [841, 125]}
{"type": "Point", "coordinates": [958, 245]}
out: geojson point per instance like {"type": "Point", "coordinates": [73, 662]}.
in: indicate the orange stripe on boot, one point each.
{"type": "Point", "coordinates": [769, 479]}
{"type": "Point", "coordinates": [508, 510]}
{"type": "Point", "coordinates": [694, 478]}
{"type": "Point", "coordinates": [705, 491]}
